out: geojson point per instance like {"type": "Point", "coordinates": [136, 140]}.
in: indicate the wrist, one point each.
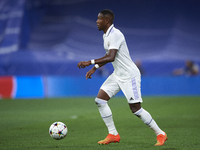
{"type": "Point", "coordinates": [96, 66]}
{"type": "Point", "coordinates": [92, 62]}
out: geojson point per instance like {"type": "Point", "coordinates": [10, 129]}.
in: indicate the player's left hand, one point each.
{"type": "Point", "coordinates": [89, 73]}
{"type": "Point", "coordinates": [83, 64]}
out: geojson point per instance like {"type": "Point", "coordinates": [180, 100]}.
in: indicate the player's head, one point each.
{"type": "Point", "coordinates": [105, 19]}
{"type": "Point", "coordinates": [108, 14]}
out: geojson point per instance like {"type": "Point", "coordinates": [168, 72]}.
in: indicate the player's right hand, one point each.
{"type": "Point", "coordinates": [89, 73]}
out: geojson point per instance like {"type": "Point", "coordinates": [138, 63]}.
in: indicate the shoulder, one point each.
{"type": "Point", "coordinates": [116, 33]}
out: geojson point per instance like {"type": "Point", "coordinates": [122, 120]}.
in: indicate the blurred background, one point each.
{"type": "Point", "coordinates": [41, 42]}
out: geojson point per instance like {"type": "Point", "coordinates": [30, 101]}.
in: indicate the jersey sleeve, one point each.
{"type": "Point", "coordinates": [115, 41]}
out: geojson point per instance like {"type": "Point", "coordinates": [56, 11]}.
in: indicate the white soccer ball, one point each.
{"type": "Point", "coordinates": [58, 130]}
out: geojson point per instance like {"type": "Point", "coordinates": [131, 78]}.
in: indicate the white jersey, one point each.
{"type": "Point", "coordinates": [124, 67]}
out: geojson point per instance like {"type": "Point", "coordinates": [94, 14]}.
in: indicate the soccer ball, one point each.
{"type": "Point", "coordinates": [58, 130]}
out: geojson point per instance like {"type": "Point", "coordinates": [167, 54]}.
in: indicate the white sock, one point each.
{"type": "Point", "coordinates": [148, 120]}
{"type": "Point", "coordinates": [106, 115]}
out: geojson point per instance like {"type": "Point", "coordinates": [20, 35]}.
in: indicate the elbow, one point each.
{"type": "Point", "coordinates": [111, 59]}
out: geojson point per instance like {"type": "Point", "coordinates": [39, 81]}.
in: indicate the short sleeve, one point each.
{"type": "Point", "coordinates": [115, 40]}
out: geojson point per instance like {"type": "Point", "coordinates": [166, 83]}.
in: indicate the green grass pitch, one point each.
{"type": "Point", "coordinates": [24, 124]}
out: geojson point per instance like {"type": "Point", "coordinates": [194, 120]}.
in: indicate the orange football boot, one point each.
{"type": "Point", "coordinates": [110, 139]}
{"type": "Point", "coordinates": [161, 139]}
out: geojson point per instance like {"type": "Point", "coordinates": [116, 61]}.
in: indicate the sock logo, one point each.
{"type": "Point", "coordinates": [131, 99]}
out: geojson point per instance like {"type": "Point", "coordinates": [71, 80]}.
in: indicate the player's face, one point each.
{"type": "Point", "coordinates": [101, 22]}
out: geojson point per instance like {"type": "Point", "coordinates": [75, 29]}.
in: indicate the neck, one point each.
{"type": "Point", "coordinates": [106, 29]}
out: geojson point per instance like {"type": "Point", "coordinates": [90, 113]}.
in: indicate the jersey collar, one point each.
{"type": "Point", "coordinates": [109, 30]}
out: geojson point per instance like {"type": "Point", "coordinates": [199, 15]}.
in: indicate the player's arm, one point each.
{"type": "Point", "coordinates": [110, 57]}
{"type": "Point", "coordinates": [91, 71]}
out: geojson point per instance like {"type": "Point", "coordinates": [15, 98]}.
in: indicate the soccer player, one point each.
{"type": "Point", "coordinates": [126, 77]}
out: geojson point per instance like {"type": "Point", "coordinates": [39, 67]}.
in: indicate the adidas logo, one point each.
{"type": "Point", "coordinates": [131, 98]}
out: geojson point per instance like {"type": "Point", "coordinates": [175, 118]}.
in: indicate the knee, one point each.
{"type": "Point", "coordinates": [100, 102]}
{"type": "Point", "coordinates": [96, 101]}
{"type": "Point", "coordinates": [135, 107]}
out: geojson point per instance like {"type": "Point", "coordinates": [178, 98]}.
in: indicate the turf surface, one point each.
{"type": "Point", "coordinates": [24, 124]}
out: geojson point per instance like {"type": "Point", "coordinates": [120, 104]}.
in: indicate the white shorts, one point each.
{"type": "Point", "coordinates": [130, 88]}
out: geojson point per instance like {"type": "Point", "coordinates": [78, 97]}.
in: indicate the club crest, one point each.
{"type": "Point", "coordinates": [108, 44]}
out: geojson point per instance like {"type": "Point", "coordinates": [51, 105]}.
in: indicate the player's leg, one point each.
{"type": "Point", "coordinates": [148, 120]}
{"type": "Point", "coordinates": [105, 93]}
{"type": "Point", "coordinates": [132, 91]}
{"type": "Point", "coordinates": [105, 111]}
